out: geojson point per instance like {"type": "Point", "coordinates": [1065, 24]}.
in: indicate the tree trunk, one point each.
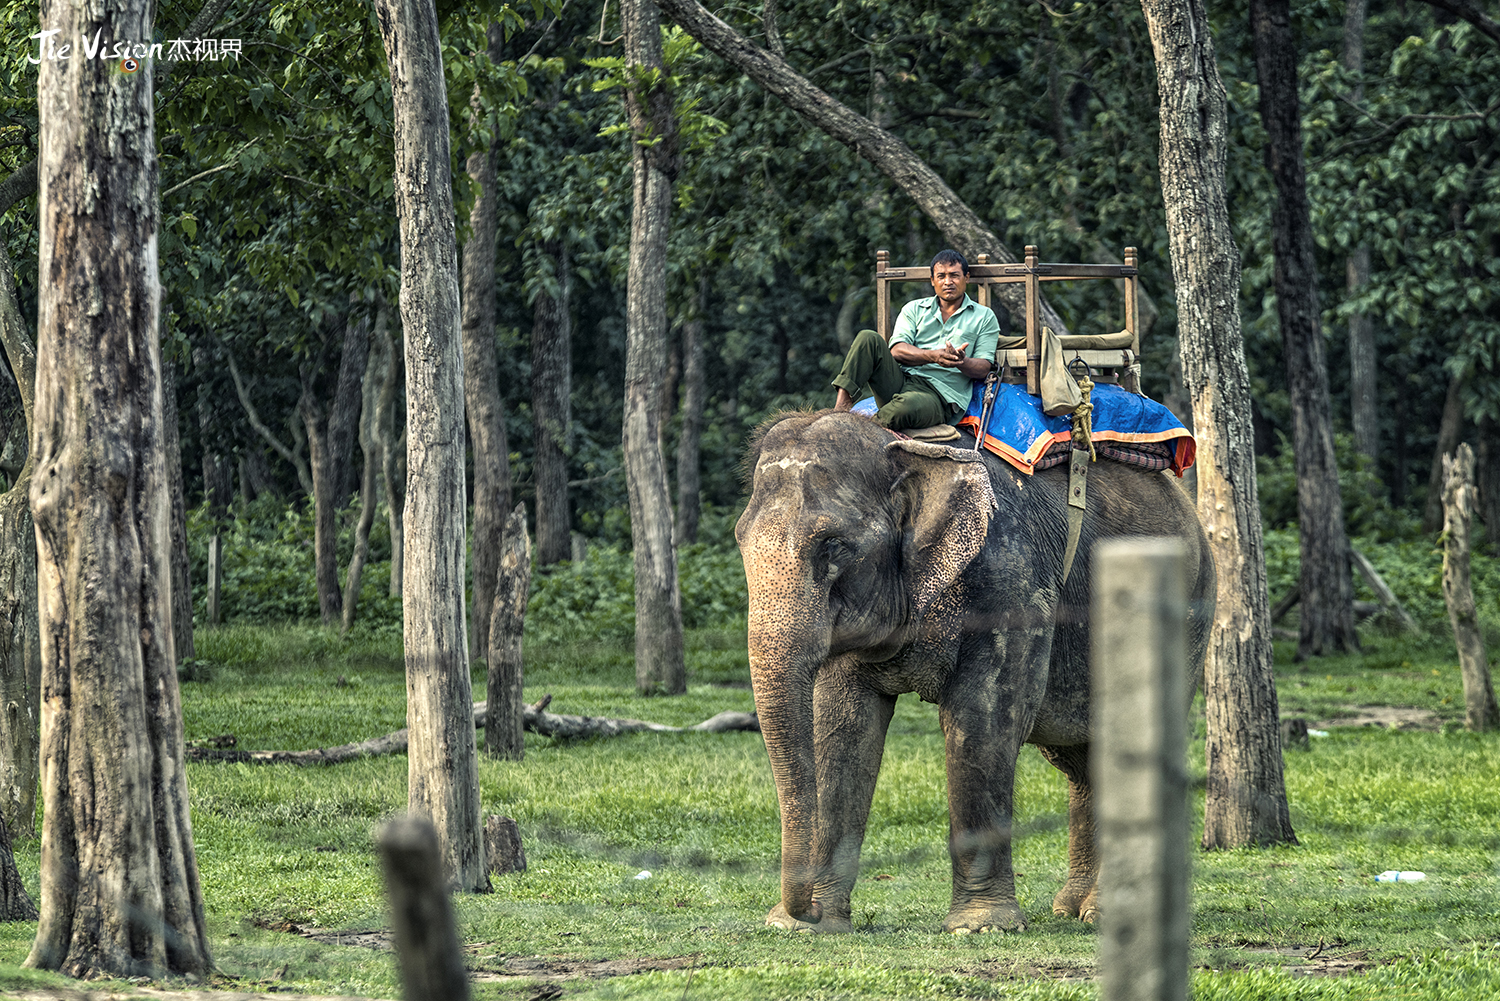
{"type": "Point", "coordinates": [1481, 710]}
{"type": "Point", "coordinates": [119, 876]}
{"type": "Point", "coordinates": [369, 497]}
{"type": "Point", "coordinates": [1364, 396]}
{"type": "Point", "coordinates": [443, 776]}
{"type": "Point", "coordinates": [659, 665]}
{"type": "Point", "coordinates": [1246, 797]}
{"type": "Point", "coordinates": [506, 670]}
{"type": "Point", "coordinates": [20, 643]}
{"type": "Point", "coordinates": [293, 456]}
{"type": "Point", "coordinates": [959, 224]}
{"type": "Point", "coordinates": [552, 414]}
{"type": "Point", "coordinates": [15, 902]}
{"type": "Point", "coordinates": [182, 587]}
{"type": "Point", "coordinates": [330, 436]}
{"type": "Point", "coordinates": [694, 383]}
{"type": "Point", "coordinates": [482, 399]}
{"type": "Point", "coordinates": [1327, 622]}
{"type": "Point", "coordinates": [1450, 430]}
{"type": "Point", "coordinates": [392, 451]}
{"type": "Point", "coordinates": [1488, 479]}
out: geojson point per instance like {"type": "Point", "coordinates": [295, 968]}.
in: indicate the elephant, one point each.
{"type": "Point", "coordinates": [878, 566]}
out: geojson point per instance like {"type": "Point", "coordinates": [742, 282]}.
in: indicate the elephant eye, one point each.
{"type": "Point", "coordinates": [831, 552]}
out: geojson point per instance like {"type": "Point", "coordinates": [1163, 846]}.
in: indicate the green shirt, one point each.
{"type": "Point", "coordinates": [921, 325]}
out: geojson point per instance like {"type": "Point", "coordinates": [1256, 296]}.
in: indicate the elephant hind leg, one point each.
{"type": "Point", "coordinates": [1079, 896]}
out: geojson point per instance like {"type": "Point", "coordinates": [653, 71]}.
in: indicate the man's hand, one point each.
{"type": "Point", "coordinates": [949, 356]}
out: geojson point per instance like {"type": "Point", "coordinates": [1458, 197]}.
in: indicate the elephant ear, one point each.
{"type": "Point", "coordinates": [947, 501]}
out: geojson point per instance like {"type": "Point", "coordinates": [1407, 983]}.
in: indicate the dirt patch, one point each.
{"type": "Point", "coordinates": [1320, 962]}
{"type": "Point", "coordinates": [550, 968]}
{"type": "Point", "coordinates": [1390, 717]}
{"type": "Point", "coordinates": [380, 939]}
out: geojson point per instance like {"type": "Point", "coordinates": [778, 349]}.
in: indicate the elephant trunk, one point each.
{"type": "Point", "coordinates": [784, 659]}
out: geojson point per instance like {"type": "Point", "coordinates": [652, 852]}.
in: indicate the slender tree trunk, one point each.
{"type": "Point", "coordinates": [659, 665]}
{"type": "Point", "coordinates": [1246, 799]}
{"type": "Point", "coordinates": [442, 776]}
{"type": "Point", "coordinates": [1450, 431]}
{"type": "Point", "coordinates": [694, 383]}
{"type": "Point", "coordinates": [1481, 711]}
{"type": "Point", "coordinates": [552, 412]}
{"type": "Point", "coordinates": [370, 477]}
{"type": "Point", "coordinates": [1364, 394]}
{"type": "Point", "coordinates": [503, 729]}
{"type": "Point", "coordinates": [182, 588]}
{"type": "Point", "coordinates": [20, 643]}
{"type": "Point", "coordinates": [1327, 590]}
{"type": "Point", "coordinates": [119, 876]}
{"type": "Point", "coordinates": [392, 451]}
{"type": "Point", "coordinates": [482, 399]}
{"type": "Point", "coordinates": [959, 224]}
{"type": "Point", "coordinates": [330, 437]}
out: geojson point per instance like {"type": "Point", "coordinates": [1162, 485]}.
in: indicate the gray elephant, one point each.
{"type": "Point", "coordinates": [879, 566]}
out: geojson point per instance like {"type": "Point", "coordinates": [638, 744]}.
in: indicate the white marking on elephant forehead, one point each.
{"type": "Point", "coordinates": [785, 462]}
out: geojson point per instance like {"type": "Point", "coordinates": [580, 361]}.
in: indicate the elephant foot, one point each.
{"type": "Point", "coordinates": [969, 918]}
{"type": "Point", "coordinates": [827, 924]}
{"type": "Point", "coordinates": [1077, 900]}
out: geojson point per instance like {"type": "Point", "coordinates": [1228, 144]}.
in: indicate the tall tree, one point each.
{"type": "Point", "coordinates": [1246, 801]}
{"type": "Point", "coordinates": [1364, 396]}
{"type": "Point", "coordinates": [694, 386]}
{"type": "Point", "coordinates": [443, 770]}
{"type": "Point", "coordinates": [1450, 433]}
{"type": "Point", "coordinates": [119, 877]}
{"type": "Point", "coordinates": [659, 663]}
{"type": "Point", "coordinates": [552, 409]}
{"type": "Point", "coordinates": [1327, 619]}
{"type": "Point", "coordinates": [377, 357]}
{"type": "Point", "coordinates": [482, 399]}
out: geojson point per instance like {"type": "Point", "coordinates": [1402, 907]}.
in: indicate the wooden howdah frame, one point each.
{"type": "Point", "coordinates": [1106, 354]}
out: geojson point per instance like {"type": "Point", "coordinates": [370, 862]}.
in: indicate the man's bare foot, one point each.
{"type": "Point", "coordinates": [844, 401]}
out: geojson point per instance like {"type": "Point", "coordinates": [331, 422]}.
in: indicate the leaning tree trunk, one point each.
{"type": "Point", "coordinates": [1481, 712]}
{"type": "Point", "coordinates": [552, 412]}
{"type": "Point", "coordinates": [1327, 621]}
{"type": "Point", "coordinates": [1364, 394]}
{"type": "Point", "coordinates": [20, 643]}
{"type": "Point", "coordinates": [959, 224]}
{"type": "Point", "coordinates": [1246, 801]}
{"type": "Point", "coordinates": [392, 453]}
{"type": "Point", "coordinates": [689, 473]}
{"type": "Point", "coordinates": [659, 664]}
{"type": "Point", "coordinates": [443, 771]}
{"type": "Point", "coordinates": [119, 876]}
{"type": "Point", "coordinates": [482, 399]}
{"type": "Point", "coordinates": [330, 437]}
{"type": "Point", "coordinates": [1450, 431]}
{"type": "Point", "coordinates": [375, 361]}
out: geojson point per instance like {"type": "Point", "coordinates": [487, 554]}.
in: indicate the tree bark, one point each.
{"type": "Point", "coordinates": [552, 412]}
{"type": "Point", "coordinates": [15, 902]}
{"type": "Point", "coordinates": [506, 668]}
{"type": "Point", "coordinates": [1481, 711]}
{"type": "Point", "coordinates": [1246, 797]}
{"type": "Point", "coordinates": [959, 224]}
{"type": "Point", "coordinates": [20, 643]}
{"type": "Point", "coordinates": [369, 497]}
{"type": "Point", "coordinates": [182, 587]}
{"type": "Point", "coordinates": [694, 391]}
{"type": "Point", "coordinates": [1450, 430]}
{"type": "Point", "coordinates": [482, 399]}
{"type": "Point", "coordinates": [1327, 621]}
{"type": "Point", "coordinates": [119, 876]}
{"type": "Point", "coordinates": [659, 664]}
{"type": "Point", "coordinates": [330, 437]}
{"type": "Point", "coordinates": [392, 452]}
{"type": "Point", "coordinates": [443, 777]}
{"type": "Point", "coordinates": [1364, 397]}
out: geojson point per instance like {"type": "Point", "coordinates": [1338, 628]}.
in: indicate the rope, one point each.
{"type": "Point", "coordinates": [1083, 422]}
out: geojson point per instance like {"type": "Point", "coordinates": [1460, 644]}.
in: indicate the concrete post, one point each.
{"type": "Point", "coordinates": [1140, 700]}
{"type": "Point", "coordinates": [215, 576]}
{"type": "Point", "coordinates": [427, 946]}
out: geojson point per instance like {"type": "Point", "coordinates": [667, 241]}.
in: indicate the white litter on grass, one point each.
{"type": "Point", "coordinates": [1317, 733]}
{"type": "Point", "coordinates": [1401, 876]}
{"type": "Point", "coordinates": [643, 874]}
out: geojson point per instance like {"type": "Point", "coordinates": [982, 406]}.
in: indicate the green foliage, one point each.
{"type": "Point", "coordinates": [1367, 511]}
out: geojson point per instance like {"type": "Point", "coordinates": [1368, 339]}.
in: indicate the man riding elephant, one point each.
{"type": "Point", "coordinates": [926, 375]}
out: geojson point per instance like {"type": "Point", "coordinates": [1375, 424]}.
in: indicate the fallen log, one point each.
{"type": "Point", "coordinates": [535, 718]}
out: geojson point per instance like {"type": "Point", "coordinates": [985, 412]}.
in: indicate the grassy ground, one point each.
{"type": "Point", "coordinates": [282, 849]}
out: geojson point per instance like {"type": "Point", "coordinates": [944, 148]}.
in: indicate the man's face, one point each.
{"type": "Point", "coordinates": [949, 282]}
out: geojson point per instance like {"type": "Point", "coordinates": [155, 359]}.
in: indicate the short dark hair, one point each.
{"type": "Point", "coordinates": [950, 257]}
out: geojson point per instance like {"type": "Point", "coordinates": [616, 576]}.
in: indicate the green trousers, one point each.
{"type": "Point", "coordinates": [906, 401]}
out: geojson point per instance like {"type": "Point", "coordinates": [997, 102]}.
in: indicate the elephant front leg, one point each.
{"type": "Point", "coordinates": [1079, 897]}
{"type": "Point", "coordinates": [850, 723]}
{"type": "Point", "coordinates": [981, 791]}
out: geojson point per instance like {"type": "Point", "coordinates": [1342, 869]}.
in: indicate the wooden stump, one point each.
{"type": "Point", "coordinates": [427, 946]}
{"type": "Point", "coordinates": [503, 852]}
{"type": "Point", "coordinates": [1458, 514]}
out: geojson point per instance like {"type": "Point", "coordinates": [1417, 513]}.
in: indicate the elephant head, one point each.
{"type": "Point", "coordinates": [848, 539]}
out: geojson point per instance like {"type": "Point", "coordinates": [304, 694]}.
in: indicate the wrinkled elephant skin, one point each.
{"type": "Point", "coordinates": [879, 566]}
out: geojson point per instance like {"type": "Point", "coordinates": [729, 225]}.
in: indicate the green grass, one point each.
{"type": "Point", "coordinates": [279, 845]}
